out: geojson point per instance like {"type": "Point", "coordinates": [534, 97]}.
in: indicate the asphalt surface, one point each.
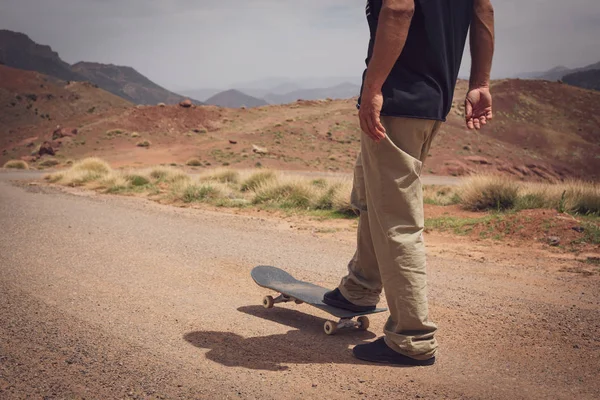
{"type": "Point", "coordinates": [109, 297]}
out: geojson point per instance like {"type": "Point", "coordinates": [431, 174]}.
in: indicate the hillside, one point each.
{"type": "Point", "coordinates": [32, 105]}
{"type": "Point", "coordinates": [235, 99]}
{"type": "Point", "coordinates": [17, 50]}
{"type": "Point", "coordinates": [127, 83]}
{"type": "Point", "coordinates": [541, 131]}
{"type": "Point", "coordinates": [585, 79]}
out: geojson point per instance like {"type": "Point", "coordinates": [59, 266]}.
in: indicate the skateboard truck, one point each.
{"type": "Point", "coordinates": [330, 327]}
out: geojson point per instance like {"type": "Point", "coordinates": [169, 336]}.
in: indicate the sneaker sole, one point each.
{"type": "Point", "coordinates": [346, 306]}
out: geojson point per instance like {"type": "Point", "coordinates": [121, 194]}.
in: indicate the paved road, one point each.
{"type": "Point", "coordinates": [106, 297]}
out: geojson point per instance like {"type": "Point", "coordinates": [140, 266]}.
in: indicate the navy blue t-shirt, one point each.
{"type": "Point", "coordinates": [421, 83]}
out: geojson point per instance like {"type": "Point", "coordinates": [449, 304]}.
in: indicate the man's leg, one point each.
{"type": "Point", "coordinates": [394, 196]}
{"type": "Point", "coordinates": [362, 286]}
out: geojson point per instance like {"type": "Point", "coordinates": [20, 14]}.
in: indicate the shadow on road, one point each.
{"type": "Point", "coordinates": [307, 344]}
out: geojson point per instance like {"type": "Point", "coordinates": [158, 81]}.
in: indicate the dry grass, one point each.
{"type": "Point", "coordinates": [16, 164]}
{"type": "Point", "coordinates": [92, 164]}
{"type": "Point", "coordinates": [231, 188]}
{"type": "Point", "coordinates": [257, 179]}
{"type": "Point", "coordinates": [440, 195]}
{"type": "Point", "coordinates": [49, 162]}
{"type": "Point", "coordinates": [489, 193]}
{"type": "Point", "coordinates": [500, 193]}
{"type": "Point", "coordinates": [221, 175]}
{"type": "Point", "coordinates": [286, 193]}
{"type": "Point", "coordinates": [168, 175]}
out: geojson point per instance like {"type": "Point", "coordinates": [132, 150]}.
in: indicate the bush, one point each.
{"type": "Point", "coordinates": [92, 164]}
{"type": "Point", "coordinates": [138, 180]}
{"type": "Point", "coordinates": [223, 176]}
{"type": "Point", "coordinates": [489, 193]}
{"type": "Point", "coordinates": [168, 174]}
{"type": "Point", "coordinates": [16, 164]}
{"type": "Point", "coordinates": [194, 162]}
{"type": "Point", "coordinates": [257, 179]}
{"type": "Point", "coordinates": [287, 195]}
{"type": "Point", "coordinates": [144, 143]}
{"type": "Point", "coordinates": [199, 193]}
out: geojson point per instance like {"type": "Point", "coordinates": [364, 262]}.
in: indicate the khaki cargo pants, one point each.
{"type": "Point", "coordinates": [390, 253]}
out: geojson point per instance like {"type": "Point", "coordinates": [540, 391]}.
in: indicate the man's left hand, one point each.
{"type": "Point", "coordinates": [371, 103]}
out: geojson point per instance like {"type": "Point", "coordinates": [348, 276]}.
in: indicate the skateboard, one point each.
{"type": "Point", "coordinates": [290, 289]}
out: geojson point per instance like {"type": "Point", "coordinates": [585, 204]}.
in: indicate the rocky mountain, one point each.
{"type": "Point", "coordinates": [17, 50]}
{"type": "Point", "coordinates": [235, 99]}
{"type": "Point", "coordinates": [584, 79]}
{"type": "Point", "coordinates": [127, 83]}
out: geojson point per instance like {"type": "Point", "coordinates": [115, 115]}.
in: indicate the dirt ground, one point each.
{"type": "Point", "coordinates": [111, 297]}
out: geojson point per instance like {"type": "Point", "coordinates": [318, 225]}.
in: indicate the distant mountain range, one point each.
{"type": "Point", "coordinates": [235, 99]}
{"type": "Point", "coordinates": [341, 91]}
{"type": "Point", "coordinates": [281, 93]}
{"type": "Point", "coordinates": [556, 73]}
{"type": "Point", "coordinates": [17, 50]}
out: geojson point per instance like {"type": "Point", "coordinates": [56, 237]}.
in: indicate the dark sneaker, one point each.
{"type": "Point", "coordinates": [379, 352]}
{"type": "Point", "coordinates": [334, 298]}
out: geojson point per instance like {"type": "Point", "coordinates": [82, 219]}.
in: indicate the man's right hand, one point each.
{"type": "Point", "coordinates": [478, 107]}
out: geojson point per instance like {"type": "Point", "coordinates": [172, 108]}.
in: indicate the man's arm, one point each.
{"type": "Point", "coordinates": [478, 104]}
{"type": "Point", "coordinates": [392, 29]}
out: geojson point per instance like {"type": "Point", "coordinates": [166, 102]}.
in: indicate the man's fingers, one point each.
{"type": "Point", "coordinates": [379, 129]}
{"type": "Point", "coordinates": [470, 123]}
{"type": "Point", "coordinates": [488, 115]}
{"type": "Point", "coordinates": [482, 120]}
{"type": "Point", "coordinates": [468, 109]}
{"type": "Point", "coordinates": [371, 127]}
{"type": "Point", "coordinates": [476, 123]}
{"type": "Point", "coordinates": [364, 125]}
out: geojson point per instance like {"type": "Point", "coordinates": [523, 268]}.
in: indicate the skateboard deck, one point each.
{"type": "Point", "coordinates": [292, 289]}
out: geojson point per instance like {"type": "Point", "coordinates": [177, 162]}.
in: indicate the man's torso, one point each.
{"type": "Point", "coordinates": [421, 83]}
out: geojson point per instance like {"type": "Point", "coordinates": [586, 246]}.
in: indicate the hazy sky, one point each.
{"type": "Point", "coordinates": [184, 44]}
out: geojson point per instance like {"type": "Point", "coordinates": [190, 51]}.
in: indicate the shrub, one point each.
{"type": "Point", "coordinates": [16, 164]}
{"type": "Point", "coordinates": [137, 179]}
{"type": "Point", "coordinates": [92, 164]}
{"type": "Point", "coordinates": [168, 174]}
{"type": "Point", "coordinates": [257, 179]}
{"type": "Point", "coordinates": [194, 162]}
{"type": "Point", "coordinates": [223, 176]}
{"type": "Point", "coordinates": [489, 193]}
{"type": "Point", "coordinates": [144, 143]}
{"type": "Point", "coordinates": [287, 194]}
{"type": "Point", "coordinates": [199, 193]}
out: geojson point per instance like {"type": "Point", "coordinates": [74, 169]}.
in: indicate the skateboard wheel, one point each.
{"type": "Point", "coordinates": [298, 301]}
{"type": "Point", "coordinates": [330, 327]}
{"type": "Point", "coordinates": [363, 323]}
{"type": "Point", "coordinates": [268, 302]}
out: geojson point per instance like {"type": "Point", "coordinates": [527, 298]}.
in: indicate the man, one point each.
{"type": "Point", "coordinates": [413, 61]}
